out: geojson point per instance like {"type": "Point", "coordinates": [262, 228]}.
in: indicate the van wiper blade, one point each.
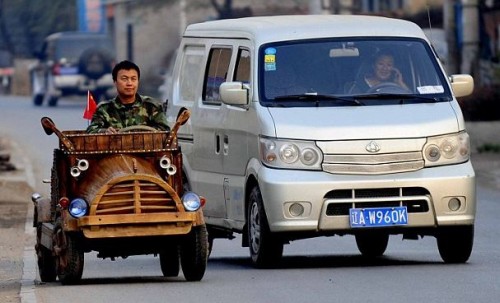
{"type": "Point", "coordinates": [401, 97]}
{"type": "Point", "coordinates": [318, 98]}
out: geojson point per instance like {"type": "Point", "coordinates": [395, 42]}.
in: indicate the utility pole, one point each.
{"type": "Point", "coordinates": [461, 23]}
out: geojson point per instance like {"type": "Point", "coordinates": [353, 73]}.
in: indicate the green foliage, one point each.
{"type": "Point", "coordinates": [27, 22]}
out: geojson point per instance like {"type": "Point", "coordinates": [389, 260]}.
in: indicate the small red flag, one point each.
{"type": "Point", "coordinates": [91, 106]}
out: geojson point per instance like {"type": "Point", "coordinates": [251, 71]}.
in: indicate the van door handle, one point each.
{"type": "Point", "coordinates": [226, 145]}
{"type": "Point", "coordinates": [217, 144]}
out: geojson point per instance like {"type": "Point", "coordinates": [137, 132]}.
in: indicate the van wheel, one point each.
{"type": "Point", "coordinates": [194, 253]}
{"type": "Point", "coordinates": [266, 249]}
{"type": "Point", "coordinates": [372, 244]}
{"type": "Point", "coordinates": [69, 256]}
{"type": "Point", "coordinates": [169, 261]}
{"type": "Point", "coordinates": [455, 243]}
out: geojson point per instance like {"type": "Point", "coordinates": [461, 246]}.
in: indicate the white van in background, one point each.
{"type": "Point", "coordinates": [291, 137]}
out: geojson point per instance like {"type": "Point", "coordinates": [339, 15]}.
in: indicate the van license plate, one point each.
{"type": "Point", "coordinates": [378, 217]}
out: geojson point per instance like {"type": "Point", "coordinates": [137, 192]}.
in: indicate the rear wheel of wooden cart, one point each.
{"type": "Point", "coordinates": [46, 261]}
{"type": "Point", "coordinates": [69, 256]}
{"type": "Point", "coordinates": [194, 253]}
{"type": "Point", "coordinates": [169, 261]}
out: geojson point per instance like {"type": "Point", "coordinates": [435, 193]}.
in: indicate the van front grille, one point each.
{"type": "Point", "coordinates": [416, 199]}
{"type": "Point", "coordinates": [373, 164]}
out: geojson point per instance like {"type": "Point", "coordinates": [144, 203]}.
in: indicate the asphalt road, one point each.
{"type": "Point", "coordinates": [318, 270]}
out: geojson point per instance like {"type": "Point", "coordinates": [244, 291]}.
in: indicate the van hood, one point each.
{"type": "Point", "coordinates": [364, 122]}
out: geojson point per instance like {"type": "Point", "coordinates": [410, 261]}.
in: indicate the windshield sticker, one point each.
{"type": "Point", "coordinates": [270, 59]}
{"type": "Point", "coordinates": [431, 89]}
{"type": "Point", "coordinates": [270, 67]}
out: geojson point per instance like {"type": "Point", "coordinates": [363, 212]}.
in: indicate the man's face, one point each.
{"type": "Point", "coordinates": [127, 83]}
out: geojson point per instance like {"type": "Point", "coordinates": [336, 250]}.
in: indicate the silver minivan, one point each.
{"type": "Point", "coordinates": [306, 126]}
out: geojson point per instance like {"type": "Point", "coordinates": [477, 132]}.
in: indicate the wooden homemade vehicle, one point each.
{"type": "Point", "coordinates": [120, 195]}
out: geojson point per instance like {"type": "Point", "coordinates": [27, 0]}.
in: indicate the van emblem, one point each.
{"type": "Point", "coordinates": [372, 147]}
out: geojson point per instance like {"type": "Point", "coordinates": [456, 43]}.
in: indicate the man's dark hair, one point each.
{"type": "Point", "coordinates": [126, 65]}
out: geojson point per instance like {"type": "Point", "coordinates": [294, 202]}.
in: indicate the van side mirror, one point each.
{"type": "Point", "coordinates": [462, 84]}
{"type": "Point", "coordinates": [234, 93]}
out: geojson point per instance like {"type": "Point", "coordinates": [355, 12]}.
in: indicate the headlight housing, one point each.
{"type": "Point", "coordinates": [290, 154]}
{"type": "Point", "coordinates": [449, 149]}
{"type": "Point", "coordinates": [191, 201]}
{"type": "Point", "coordinates": [78, 208]}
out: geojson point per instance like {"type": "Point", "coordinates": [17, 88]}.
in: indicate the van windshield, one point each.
{"type": "Point", "coordinates": [335, 72]}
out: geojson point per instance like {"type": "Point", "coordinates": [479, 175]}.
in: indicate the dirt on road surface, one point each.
{"type": "Point", "coordinates": [15, 204]}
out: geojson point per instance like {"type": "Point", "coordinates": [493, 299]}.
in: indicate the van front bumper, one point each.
{"type": "Point", "coordinates": [326, 198]}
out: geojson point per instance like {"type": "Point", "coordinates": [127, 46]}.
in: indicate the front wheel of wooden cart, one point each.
{"type": "Point", "coordinates": [194, 253]}
{"type": "Point", "coordinates": [169, 261]}
{"type": "Point", "coordinates": [69, 257]}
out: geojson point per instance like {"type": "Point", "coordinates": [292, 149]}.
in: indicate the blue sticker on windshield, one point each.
{"type": "Point", "coordinates": [270, 51]}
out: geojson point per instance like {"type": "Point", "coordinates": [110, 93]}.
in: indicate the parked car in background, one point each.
{"type": "Point", "coordinates": [71, 63]}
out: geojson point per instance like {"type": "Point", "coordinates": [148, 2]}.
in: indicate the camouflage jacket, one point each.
{"type": "Point", "coordinates": [144, 111]}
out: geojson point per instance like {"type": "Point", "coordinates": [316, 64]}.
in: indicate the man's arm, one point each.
{"type": "Point", "coordinates": [157, 117]}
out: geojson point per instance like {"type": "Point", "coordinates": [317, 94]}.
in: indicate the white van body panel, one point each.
{"type": "Point", "coordinates": [409, 149]}
{"type": "Point", "coordinates": [353, 123]}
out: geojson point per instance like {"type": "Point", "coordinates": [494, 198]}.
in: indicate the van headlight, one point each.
{"type": "Point", "coordinates": [449, 149]}
{"type": "Point", "coordinates": [290, 154]}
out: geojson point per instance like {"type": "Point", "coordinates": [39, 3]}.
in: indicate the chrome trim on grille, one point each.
{"type": "Point", "coordinates": [373, 163]}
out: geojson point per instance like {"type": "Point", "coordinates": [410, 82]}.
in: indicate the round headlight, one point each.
{"type": "Point", "coordinates": [191, 201]}
{"type": "Point", "coordinates": [309, 156]}
{"type": "Point", "coordinates": [289, 153]}
{"type": "Point", "coordinates": [449, 148]}
{"type": "Point", "coordinates": [432, 153]}
{"type": "Point", "coordinates": [78, 208]}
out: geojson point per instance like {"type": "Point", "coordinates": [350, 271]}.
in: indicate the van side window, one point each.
{"type": "Point", "coordinates": [190, 67]}
{"type": "Point", "coordinates": [242, 73]}
{"type": "Point", "coordinates": [218, 67]}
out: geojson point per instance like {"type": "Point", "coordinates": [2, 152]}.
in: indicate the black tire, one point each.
{"type": "Point", "coordinates": [266, 250]}
{"type": "Point", "coordinates": [53, 101]}
{"type": "Point", "coordinates": [372, 244]}
{"type": "Point", "coordinates": [95, 63]}
{"type": "Point", "coordinates": [70, 260]}
{"type": "Point", "coordinates": [45, 260]}
{"type": "Point", "coordinates": [194, 253]}
{"type": "Point", "coordinates": [169, 261]}
{"type": "Point", "coordinates": [38, 99]}
{"type": "Point", "coordinates": [455, 243]}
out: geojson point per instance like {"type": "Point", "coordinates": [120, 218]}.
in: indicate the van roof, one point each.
{"type": "Point", "coordinates": [292, 27]}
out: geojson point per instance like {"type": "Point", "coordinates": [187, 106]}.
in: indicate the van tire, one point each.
{"type": "Point", "coordinates": [372, 244]}
{"type": "Point", "coordinates": [266, 250]}
{"type": "Point", "coordinates": [455, 243]}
